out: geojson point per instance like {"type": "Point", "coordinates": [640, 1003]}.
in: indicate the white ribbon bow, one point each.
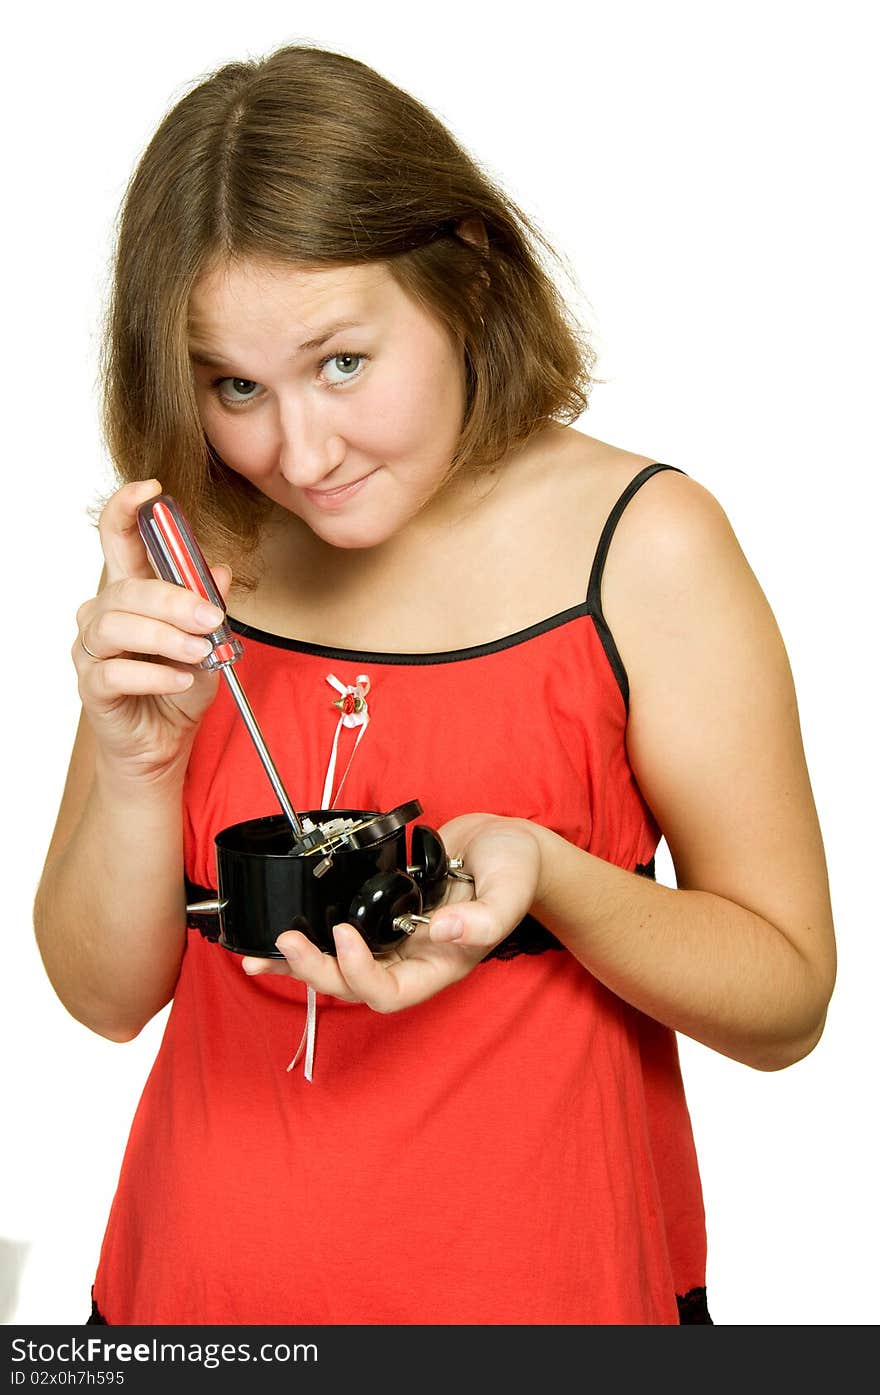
{"type": "Point", "coordinates": [353, 712]}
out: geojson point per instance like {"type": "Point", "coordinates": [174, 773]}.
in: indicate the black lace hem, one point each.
{"type": "Point", "coordinates": [529, 937]}
{"type": "Point", "coordinates": [96, 1317]}
{"type": "Point", "coordinates": [692, 1308]}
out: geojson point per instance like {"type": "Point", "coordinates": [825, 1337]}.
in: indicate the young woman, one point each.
{"type": "Point", "coordinates": [333, 340]}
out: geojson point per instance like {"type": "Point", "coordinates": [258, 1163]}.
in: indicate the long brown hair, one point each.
{"type": "Point", "coordinates": [310, 157]}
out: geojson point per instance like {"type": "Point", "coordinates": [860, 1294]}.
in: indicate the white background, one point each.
{"type": "Point", "coordinates": [709, 172]}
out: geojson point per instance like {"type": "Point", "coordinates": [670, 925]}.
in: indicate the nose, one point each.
{"type": "Point", "coordinates": [308, 448]}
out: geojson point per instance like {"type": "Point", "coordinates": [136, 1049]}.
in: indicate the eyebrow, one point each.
{"type": "Point", "coordinates": [213, 361]}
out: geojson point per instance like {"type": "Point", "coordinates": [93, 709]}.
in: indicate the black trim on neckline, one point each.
{"type": "Point", "coordinates": [444, 656]}
{"type": "Point", "coordinates": [591, 607]}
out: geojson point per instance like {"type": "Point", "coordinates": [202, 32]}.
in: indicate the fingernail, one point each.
{"type": "Point", "coordinates": [449, 928]}
{"type": "Point", "coordinates": [197, 646]}
{"type": "Point", "coordinates": [343, 935]}
{"type": "Point", "coordinates": [209, 615]}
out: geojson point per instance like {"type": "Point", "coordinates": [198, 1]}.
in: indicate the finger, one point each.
{"type": "Point", "coordinates": [124, 552]}
{"type": "Point", "coordinates": [458, 831]}
{"type": "Point", "coordinates": [154, 599]}
{"type": "Point", "coordinates": [475, 923]}
{"type": "Point", "coordinates": [505, 860]}
{"type": "Point", "coordinates": [117, 632]}
{"type": "Point", "coordinates": [401, 979]}
{"type": "Point", "coordinates": [254, 965]}
{"type": "Point", "coordinates": [310, 965]}
{"type": "Point", "coordinates": [110, 679]}
{"type": "Point", "coordinates": [222, 575]}
{"type": "Point", "coordinates": [371, 982]}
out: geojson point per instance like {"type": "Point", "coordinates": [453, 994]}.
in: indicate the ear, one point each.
{"type": "Point", "coordinates": [473, 229]}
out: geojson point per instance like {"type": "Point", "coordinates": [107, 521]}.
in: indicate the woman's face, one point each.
{"type": "Point", "coordinates": [352, 432]}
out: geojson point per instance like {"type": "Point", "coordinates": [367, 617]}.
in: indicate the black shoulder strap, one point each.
{"type": "Point", "coordinates": [594, 588]}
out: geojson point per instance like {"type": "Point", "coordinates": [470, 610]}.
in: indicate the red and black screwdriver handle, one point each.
{"type": "Point", "coordinates": [176, 556]}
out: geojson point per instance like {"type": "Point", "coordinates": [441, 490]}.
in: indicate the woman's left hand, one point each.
{"type": "Point", "coordinates": [501, 854]}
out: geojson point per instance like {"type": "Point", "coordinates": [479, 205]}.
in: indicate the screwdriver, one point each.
{"type": "Point", "coordinates": [176, 556]}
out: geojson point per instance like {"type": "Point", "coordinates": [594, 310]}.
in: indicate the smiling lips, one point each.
{"type": "Point", "coordinates": [332, 498]}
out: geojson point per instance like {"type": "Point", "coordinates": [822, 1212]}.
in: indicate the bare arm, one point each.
{"type": "Point", "coordinates": [109, 913]}
{"type": "Point", "coordinates": [741, 956]}
{"type": "Point", "coordinates": [698, 962]}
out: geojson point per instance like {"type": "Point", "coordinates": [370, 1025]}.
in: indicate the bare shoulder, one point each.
{"type": "Point", "coordinates": [694, 630]}
{"type": "Point", "coordinates": [568, 488]}
{"type": "Point", "coordinates": [673, 551]}
{"type": "Point", "coordinates": [675, 554]}
{"type": "Point", "coordinates": [586, 469]}
{"type": "Point", "coordinates": [671, 521]}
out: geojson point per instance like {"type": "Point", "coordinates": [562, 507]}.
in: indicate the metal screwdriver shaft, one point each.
{"type": "Point", "coordinates": [256, 736]}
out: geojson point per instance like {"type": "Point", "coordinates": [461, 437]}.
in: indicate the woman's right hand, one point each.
{"type": "Point", "coordinates": [144, 693]}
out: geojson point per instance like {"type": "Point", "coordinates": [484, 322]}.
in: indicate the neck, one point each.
{"type": "Point", "coordinates": [292, 553]}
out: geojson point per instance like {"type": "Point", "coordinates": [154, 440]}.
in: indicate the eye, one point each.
{"type": "Point", "coordinates": [347, 365]}
{"type": "Point", "coordinates": [235, 390]}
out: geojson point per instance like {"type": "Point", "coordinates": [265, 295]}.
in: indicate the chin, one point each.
{"type": "Point", "coordinates": [351, 533]}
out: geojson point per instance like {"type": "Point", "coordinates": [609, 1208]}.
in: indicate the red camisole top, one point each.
{"type": "Point", "coordinates": [517, 1149]}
